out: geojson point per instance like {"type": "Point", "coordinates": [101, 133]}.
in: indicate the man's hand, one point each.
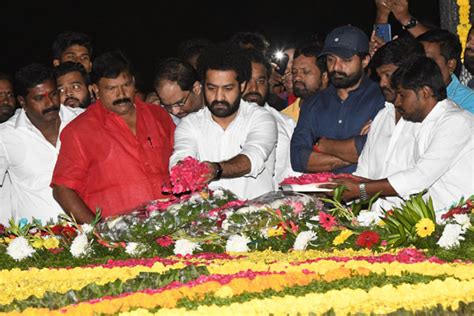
{"type": "Point", "coordinates": [374, 44]}
{"type": "Point", "coordinates": [399, 9]}
{"type": "Point", "coordinates": [352, 187]}
{"type": "Point", "coordinates": [209, 177]}
{"type": "Point", "coordinates": [366, 128]}
{"type": "Point", "coordinates": [383, 11]}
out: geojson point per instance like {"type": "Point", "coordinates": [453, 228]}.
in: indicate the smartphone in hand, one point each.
{"type": "Point", "coordinates": [281, 60]}
{"type": "Point", "coordinates": [384, 31]}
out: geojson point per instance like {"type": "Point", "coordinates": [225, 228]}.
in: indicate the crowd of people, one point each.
{"type": "Point", "coordinates": [79, 137]}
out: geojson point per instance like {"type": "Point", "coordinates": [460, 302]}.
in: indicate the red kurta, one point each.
{"type": "Point", "coordinates": [108, 166]}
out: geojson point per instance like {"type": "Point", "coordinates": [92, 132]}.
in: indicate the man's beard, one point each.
{"type": "Point", "coordinates": [389, 94]}
{"type": "Point", "coordinates": [6, 111]}
{"type": "Point", "coordinates": [223, 108]}
{"type": "Point", "coordinates": [254, 97]}
{"type": "Point", "coordinates": [469, 63]}
{"type": "Point", "coordinates": [75, 102]}
{"type": "Point", "coordinates": [345, 81]}
{"type": "Point", "coordinates": [301, 91]}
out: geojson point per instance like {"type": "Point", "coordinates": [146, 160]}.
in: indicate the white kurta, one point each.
{"type": "Point", "coordinates": [253, 133]}
{"type": "Point", "coordinates": [389, 149]}
{"type": "Point", "coordinates": [443, 157]}
{"type": "Point", "coordinates": [29, 159]}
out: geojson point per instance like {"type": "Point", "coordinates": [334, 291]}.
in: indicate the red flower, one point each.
{"type": "Point", "coordinates": [367, 239]}
{"type": "Point", "coordinates": [56, 250]}
{"type": "Point", "coordinates": [188, 175]}
{"type": "Point", "coordinates": [2, 229]}
{"type": "Point", "coordinates": [164, 241]}
{"type": "Point", "coordinates": [327, 221]}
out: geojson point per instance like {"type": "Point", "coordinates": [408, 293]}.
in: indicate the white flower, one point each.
{"type": "Point", "coordinates": [218, 194]}
{"type": "Point", "coordinates": [264, 233]}
{"type": "Point", "coordinates": [303, 239]}
{"type": "Point", "coordinates": [195, 198]}
{"type": "Point", "coordinates": [135, 248]}
{"type": "Point", "coordinates": [112, 223]}
{"type": "Point", "coordinates": [315, 219]}
{"type": "Point", "coordinates": [79, 246]}
{"type": "Point", "coordinates": [86, 228]}
{"type": "Point", "coordinates": [463, 220]}
{"type": "Point", "coordinates": [20, 248]}
{"type": "Point", "coordinates": [451, 236]}
{"type": "Point", "coordinates": [237, 243]}
{"type": "Point", "coordinates": [225, 225]}
{"type": "Point", "coordinates": [368, 218]}
{"type": "Point", "coordinates": [248, 209]}
{"type": "Point", "coordinates": [185, 247]}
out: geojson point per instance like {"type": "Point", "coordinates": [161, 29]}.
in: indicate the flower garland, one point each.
{"type": "Point", "coordinates": [464, 22]}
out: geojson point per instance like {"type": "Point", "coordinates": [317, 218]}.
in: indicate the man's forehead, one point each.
{"type": "Point", "coordinates": [72, 76]}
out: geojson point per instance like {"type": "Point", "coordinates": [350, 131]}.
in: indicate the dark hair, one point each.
{"type": "Point", "coordinates": [67, 39]}
{"type": "Point", "coordinates": [110, 65]}
{"type": "Point", "coordinates": [419, 72]}
{"type": "Point", "coordinates": [70, 66]}
{"type": "Point", "coordinates": [449, 44]}
{"type": "Point", "coordinates": [192, 47]}
{"type": "Point", "coordinates": [257, 40]}
{"type": "Point", "coordinates": [225, 57]}
{"type": "Point", "coordinates": [397, 51]}
{"type": "Point", "coordinates": [312, 50]}
{"type": "Point", "coordinates": [30, 76]}
{"type": "Point", "coordinates": [256, 56]}
{"type": "Point", "coordinates": [7, 77]}
{"type": "Point", "coordinates": [178, 70]}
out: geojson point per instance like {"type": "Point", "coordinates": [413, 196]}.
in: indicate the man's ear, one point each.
{"type": "Point", "coordinates": [56, 62]}
{"type": "Point", "coordinates": [452, 63]}
{"type": "Point", "coordinates": [21, 101]}
{"type": "Point", "coordinates": [95, 89]}
{"type": "Point", "coordinates": [197, 88]}
{"type": "Point", "coordinates": [426, 92]}
{"type": "Point", "coordinates": [365, 61]}
{"type": "Point", "coordinates": [324, 79]}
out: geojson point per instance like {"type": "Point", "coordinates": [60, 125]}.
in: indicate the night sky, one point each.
{"type": "Point", "coordinates": [150, 30]}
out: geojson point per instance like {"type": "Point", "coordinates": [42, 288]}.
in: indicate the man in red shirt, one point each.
{"type": "Point", "coordinates": [114, 157]}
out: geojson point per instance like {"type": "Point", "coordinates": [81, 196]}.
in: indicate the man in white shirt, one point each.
{"type": "Point", "coordinates": [257, 91]}
{"type": "Point", "coordinates": [391, 139]}
{"type": "Point", "coordinates": [235, 137]}
{"type": "Point", "coordinates": [29, 143]}
{"type": "Point", "coordinates": [444, 146]}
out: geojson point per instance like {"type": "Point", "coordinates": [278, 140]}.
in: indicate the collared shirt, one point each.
{"type": "Point", "coordinates": [326, 115]}
{"type": "Point", "coordinates": [443, 157]}
{"type": "Point", "coordinates": [293, 110]}
{"type": "Point", "coordinates": [460, 94]}
{"type": "Point", "coordinates": [109, 167]}
{"type": "Point", "coordinates": [286, 126]}
{"type": "Point", "coordinates": [29, 159]}
{"type": "Point", "coordinates": [253, 133]}
{"type": "Point", "coordinates": [389, 149]}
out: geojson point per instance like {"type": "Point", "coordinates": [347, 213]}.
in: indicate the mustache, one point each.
{"type": "Point", "coordinates": [340, 73]}
{"type": "Point", "coordinates": [123, 100]}
{"type": "Point", "coordinates": [51, 109]}
{"type": "Point", "coordinates": [216, 102]}
{"type": "Point", "coordinates": [251, 94]}
{"type": "Point", "coordinates": [71, 98]}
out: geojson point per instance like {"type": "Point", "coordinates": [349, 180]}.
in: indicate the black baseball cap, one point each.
{"type": "Point", "coordinates": [346, 41]}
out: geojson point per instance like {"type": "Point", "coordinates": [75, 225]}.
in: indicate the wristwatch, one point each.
{"type": "Point", "coordinates": [411, 24]}
{"type": "Point", "coordinates": [362, 192]}
{"type": "Point", "coordinates": [218, 174]}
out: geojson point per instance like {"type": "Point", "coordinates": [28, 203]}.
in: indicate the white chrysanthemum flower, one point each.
{"type": "Point", "coordinates": [135, 248]}
{"type": "Point", "coordinates": [86, 228]}
{"type": "Point", "coordinates": [218, 194]}
{"type": "Point", "coordinates": [463, 220]}
{"type": "Point", "coordinates": [248, 209]}
{"type": "Point", "coordinates": [185, 247]}
{"type": "Point", "coordinates": [303, 239]}
{"type": "Point", "coordinates": [80, 246]}
{"type": "Point", "coordinates": [237, 243]}
{"type": "Point", "coordinates": [368, 218]}
{"type": "Point", "coordinates": [225, 225]}
{"type": "Point", "coordinates": [195, 199]}
{"type": "Point", "coordinates": [451, 236]}
{"type": "Point", "coordinates": [20, 248]}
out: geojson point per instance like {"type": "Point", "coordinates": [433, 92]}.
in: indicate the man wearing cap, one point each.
{"type": "Point", "coordinates": [327, 136]}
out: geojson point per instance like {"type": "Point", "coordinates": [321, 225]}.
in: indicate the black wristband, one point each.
{"type": "Point", "coordinates": [218, 174]}
{"type": "Point", "coordinates": [411, 24]}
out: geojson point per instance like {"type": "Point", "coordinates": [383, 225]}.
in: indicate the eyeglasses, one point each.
{"type": "Point", "coordinates": [178, 104]}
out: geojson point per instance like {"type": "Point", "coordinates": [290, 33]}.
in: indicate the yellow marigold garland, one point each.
{"type": "Point", "coordinates": [464, 21]}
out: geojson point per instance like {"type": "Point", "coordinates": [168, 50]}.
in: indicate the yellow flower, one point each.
{"type": "Point", "coordinates": [425, 227]}
{"type": "Point", "coordinates": [342, 237]}
{"type": "Point", "coordinates": [51, 243]}
{"type": "Point", "coordinates": [37, 243]}
{"type": "Point", "coordinates": [225, 291]}
{"type": "Point", "coordinates": [204, 195]}
{"type": "Point", "coordinates": [275, 232]}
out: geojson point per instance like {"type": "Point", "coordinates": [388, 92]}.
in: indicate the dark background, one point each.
{"type": "Point", "coordinates": [150, 30]}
